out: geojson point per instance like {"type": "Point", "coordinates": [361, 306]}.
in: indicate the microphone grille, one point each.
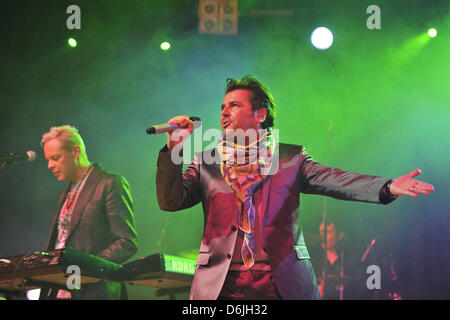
{"type": "Point", "coordinates": [31, 156]}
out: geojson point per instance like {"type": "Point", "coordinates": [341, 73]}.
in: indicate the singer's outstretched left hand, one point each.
{"type": "Point", "coordinates": [406, 186]}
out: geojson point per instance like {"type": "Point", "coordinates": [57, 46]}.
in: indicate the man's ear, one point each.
{"type": "Point", "coordinates": [261, 114]}
{"type": "Point", "coordinates": [76, 151]}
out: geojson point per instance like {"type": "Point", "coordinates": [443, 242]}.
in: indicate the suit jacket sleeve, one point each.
{"type": "Point", "coordinates": [319, 179]}
{"type": "Point", "coordinates": [175, 190]}
{"type": "Point", "coordinates": [119, 211]}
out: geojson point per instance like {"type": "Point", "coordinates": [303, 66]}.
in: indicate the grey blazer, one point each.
{"type": "Point", "coordinates": [295, 172]}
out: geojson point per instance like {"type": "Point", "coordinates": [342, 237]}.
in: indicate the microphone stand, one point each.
{"type": "Point", "coordinates": [324, 215]}
{"type": "Point", "coordinates": [325, 249]}
{"type": "Point", "coordinates": [162, 234]}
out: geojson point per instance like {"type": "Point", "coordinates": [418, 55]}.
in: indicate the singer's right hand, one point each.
{"type": "Point", "coordinates": [186, 127]}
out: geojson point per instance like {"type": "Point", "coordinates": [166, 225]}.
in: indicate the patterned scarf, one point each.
{"type": "Point", "coordinates": [244, 168]}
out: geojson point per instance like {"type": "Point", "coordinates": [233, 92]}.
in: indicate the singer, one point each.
{"type": "Point", "coordinates": [94, 213]}
{"type": "Point", "coordinates": [253, 245]}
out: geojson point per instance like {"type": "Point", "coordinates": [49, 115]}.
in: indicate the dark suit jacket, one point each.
{"type": "Point", "coordinates": [294, 173]}
{"type": "Point", "coordinates": [102, 224]}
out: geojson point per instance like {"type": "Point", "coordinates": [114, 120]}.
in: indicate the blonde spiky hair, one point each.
{"type": "Point", "coordinates": [67, 134]}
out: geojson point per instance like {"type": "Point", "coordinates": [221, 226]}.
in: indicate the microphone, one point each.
{"type": "Point", "coordinates": [27, 156]}
{"type": "Point", "coordinates": [167, 127]}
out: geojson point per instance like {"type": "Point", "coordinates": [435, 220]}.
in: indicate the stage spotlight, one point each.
{"type": "Point", "coordinates": [165, 46]}
{"type": "Point", "coordinates": [322, 38]}
{"type": "Point", "coordinates": [72, 42]}
{"type": "Point", "coordinates": [432, 32]}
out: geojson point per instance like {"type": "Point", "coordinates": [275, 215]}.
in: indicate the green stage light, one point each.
{"type": "Point", "coordinates": [432, 32]}
{"type": "Point", "coordinates": [72, 42]}
{"type": "Point", "coordinates": [165, 46]}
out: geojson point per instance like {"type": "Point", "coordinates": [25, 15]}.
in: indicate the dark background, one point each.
{"type": "Point", "coordinates": [384, 92]}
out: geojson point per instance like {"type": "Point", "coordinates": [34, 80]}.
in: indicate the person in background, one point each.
{"type": "Point", "coordinates": [333, 287]}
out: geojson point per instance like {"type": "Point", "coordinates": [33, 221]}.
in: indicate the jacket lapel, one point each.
{"type": "Point", "coordinates": [265, 203]}
{"type": "Point", "coordinates": [267, 186]}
